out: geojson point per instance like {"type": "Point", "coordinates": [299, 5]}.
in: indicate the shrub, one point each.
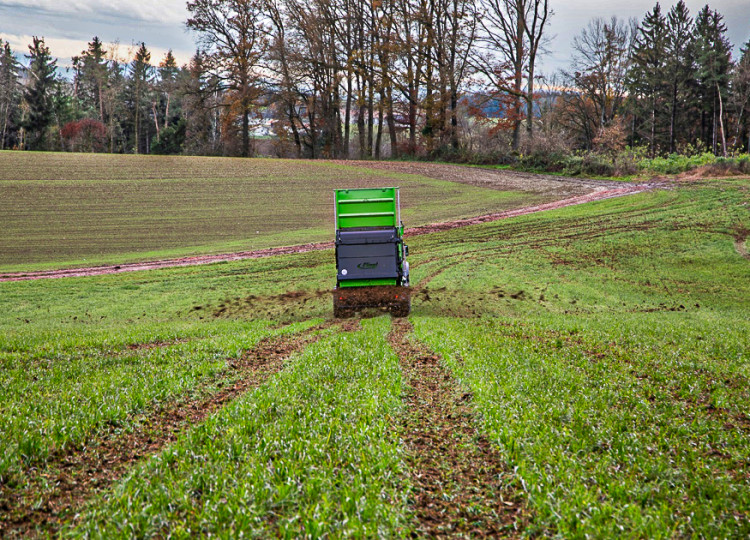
{"type": "Point", "coordinates": [86, 135]}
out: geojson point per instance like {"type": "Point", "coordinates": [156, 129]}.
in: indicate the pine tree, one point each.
{"type": "Point", "coordinates": [163, 106]}
{"type": "Point", "coordinates": [91, 78]}
{"type": "Point", "coordinates": [714, 62]}
{"type": "Point", "coordinates": [139, 88]}
{"type": "Point", "coordinates": [680, 67]}
{"type": "Point", "coordinates": [646, 79]}
{"type": "Point", "coordinates": [740, 93]}
{"type": "Point", "coordinates": [39, 94]}
{"type": "Point", "coordinates": [10, 95]}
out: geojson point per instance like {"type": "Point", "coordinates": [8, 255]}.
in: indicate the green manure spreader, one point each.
{"type": "Point", "coordinates": [371, 267]}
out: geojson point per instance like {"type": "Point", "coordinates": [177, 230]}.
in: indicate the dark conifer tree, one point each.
{"type": "Point", "coordinates": [714, 62]}
{"type": "Point", "coordinates": [138, 94]}
{"type": "Point", "coordinates": [680, 70]}
{"type": "Point", "coordinates": [39, 94]}
{"type": "Point", "coordinates": [10, 96]}
{"type": "Point", "coordinates": [646, 79]}
{"type": "Point", "coordinates": [741, 99]}
{"type": "Point", "coordinates": [91, 78]}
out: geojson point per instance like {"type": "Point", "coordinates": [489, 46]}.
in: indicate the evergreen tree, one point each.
{"type": "Point", "coordinates": [714, 62]}
{"type": "Point", "coordinates": [10, 96]}
{"type": "Point", "coordinates": [646, 80]}
{"type": "Point", "coordinates": [91, 78]}
{"type": "Point", "coordinates": [680, 69]}
{"type": "Point", "coordinates": [199, 94]}
{"type": "Point", "coordinates": [166, 111]}
{"type": "Point", "coordinates": [740, 93]}
{"type": "Point", "coordinates": [39, 94]}
{"type": "Point", "coordinates": [138, 93]}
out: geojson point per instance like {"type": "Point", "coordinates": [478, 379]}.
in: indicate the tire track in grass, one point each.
{"type": "Point", "coordinates": [76, 476]}
{"type": "Point", "coordinates": [461, 486]}
{"type": "Point", "coordinates": [740, 239]}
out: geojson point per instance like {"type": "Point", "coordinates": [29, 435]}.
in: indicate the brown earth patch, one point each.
{"type": "Point", "coordinates": [459, 479]}
{"type": "Point", "coordinates": [288, 306]}
{"type": "Point", "coordinates": [68, 480]}
{"type": "Point", "coordinates": [500, 179]}
{"type": "Point", "coordinates": [571, 201]}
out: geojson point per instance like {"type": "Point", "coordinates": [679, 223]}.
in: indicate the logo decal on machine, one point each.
{"type": "Point", "coordinates": [367, 265]}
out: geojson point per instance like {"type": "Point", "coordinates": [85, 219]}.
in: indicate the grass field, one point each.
{"type": "Point", "coordinates": [600, 350]}
{"type": "Point", "coordinates": [60, 210]}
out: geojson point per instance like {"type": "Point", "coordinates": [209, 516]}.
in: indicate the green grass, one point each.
{"type": "Point", "coordinates": [315, 448]}
{"type": "Point", "coordinates": [66, 372]}
{"type": "Point", "coordinates": [605, 345]}
{"type": "Point", "coordinates": [61, 210]}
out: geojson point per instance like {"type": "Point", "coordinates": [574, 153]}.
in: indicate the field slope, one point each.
{"type": "Point", "coordinates": [592, 361]}
{"type": "Point", "coordinates": [62, 210]}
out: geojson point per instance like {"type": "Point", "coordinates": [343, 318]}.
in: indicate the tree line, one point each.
{"type": "Point", "coordinates": [348, 78]}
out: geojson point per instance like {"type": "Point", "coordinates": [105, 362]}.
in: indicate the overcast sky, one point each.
{"type": "Point", "coordinates": [67, 25]}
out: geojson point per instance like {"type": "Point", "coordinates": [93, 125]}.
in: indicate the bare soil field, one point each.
{"type": "Point", "coordinates": [129, 213]}
{"type": "Point", "coordinates": [600, 194]}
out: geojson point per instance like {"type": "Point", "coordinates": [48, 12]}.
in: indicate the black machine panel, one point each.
{"type": "Point", "coordinates": [367, 254]}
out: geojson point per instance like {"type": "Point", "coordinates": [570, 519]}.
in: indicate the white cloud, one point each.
{"type": "Point", "coordinates": [64, 49]}
{"type": "Point", "coordinates": [165, 11]}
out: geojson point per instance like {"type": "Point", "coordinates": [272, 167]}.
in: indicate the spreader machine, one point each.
{"type": "Point", "coordinates": [371, 266]}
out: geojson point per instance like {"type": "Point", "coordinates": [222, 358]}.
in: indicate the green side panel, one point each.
{"type": "Point", "coordinates": [369, 207]}
{"type": "Point", "coordinates": [367, 282]}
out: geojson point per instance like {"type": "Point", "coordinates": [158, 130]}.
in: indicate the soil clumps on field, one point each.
{"type": "Point", "coordinates": [73, 477]}
{"type": "Point", "coordinates": [459, 479]}
{"type": "Point", "coordinates": [289, 306]}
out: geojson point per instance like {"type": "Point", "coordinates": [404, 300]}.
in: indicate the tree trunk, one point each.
{"type": "Point", "coordinates": [5, 125]}
{"type": "Point", "coordinates": [348, 115]}
{"type": "Point", "coordinates": [370, 115]}
{"type": "Point", "coordinates": [672, 118]}
{"type": "Point", "coordinates": [518, 75]}
{"type": "Point", "coordinates": [412, 122]}
{"type": "Point", "coordinates": [166, 117]}
{"type": "Point", "coordinates": [245, 131]}
{"type": "Point", "coordinates": [653, 125]}
{"type": "Point", "coordinates": [156, 120]}
{"type": "Point", "coordinates": [392, 125]}
{"type": "Point", "coordinates": [454, 117]}
{"type": "Point", "coordinates": [530, 99]}
{"type": "Point", "coordinates": [721, 122]}
{"type": "Point", "coordinates": [361, 128]}
{"type": "Point", "coordinates": [379, 138]}
{"type": "Point", "coordinates": [714, 141]}
{"type": "Point", "coordinates": [295, 131]}
{"type": "Point", "coordinates": [101, 102]}
{"type": "Point", "coordinates": [137, 131]}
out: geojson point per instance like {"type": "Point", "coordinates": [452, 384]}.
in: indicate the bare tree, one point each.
{"type": "Point", "coordinates": [512, 35]}
{"type": "Point", "coordinates": [594, 91]}
{"type": "Point", "coordinates": [233, 35]}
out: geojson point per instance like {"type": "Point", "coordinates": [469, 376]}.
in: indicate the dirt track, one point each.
{"type": "Point", "coordinates": [500, 179]}
{"type": "Point", "coordinates": [571, 191]}
{"type": "Point", "coordinates": [81, 473]}
{"type": "Point", "coordinates": [458, 477]}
